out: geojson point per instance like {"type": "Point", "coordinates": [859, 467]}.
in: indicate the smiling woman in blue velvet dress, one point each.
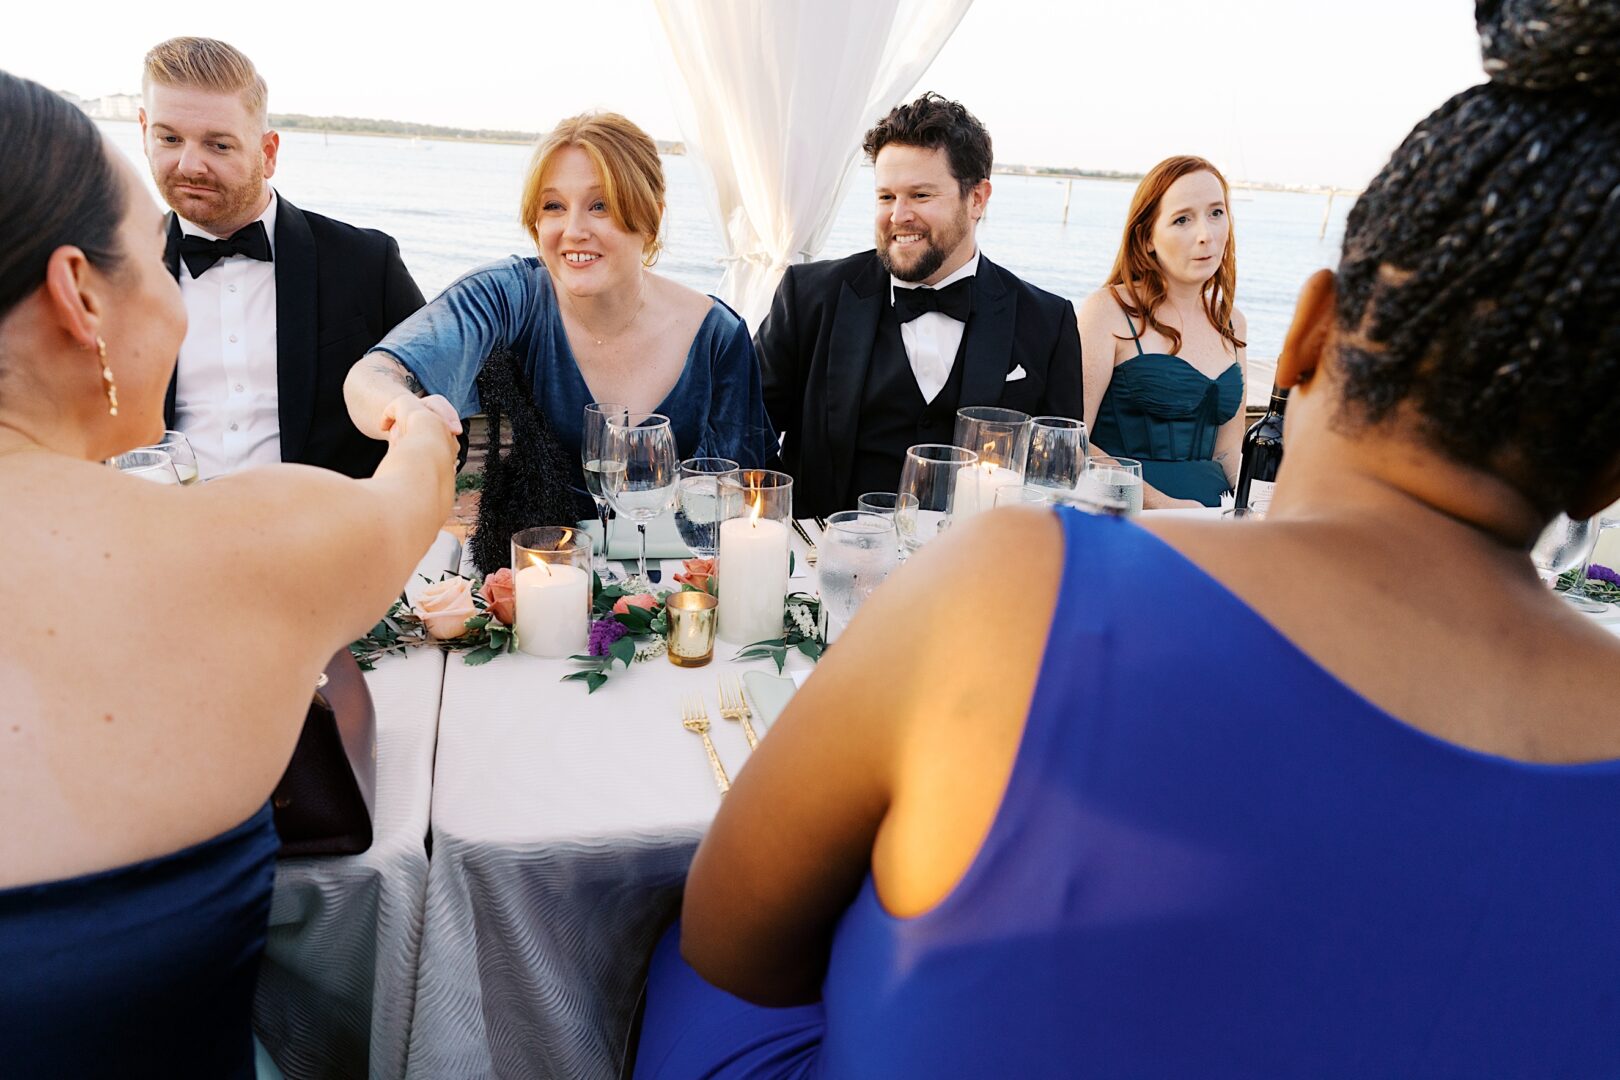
{"type": "Point", "coordinates": [1163, 346]}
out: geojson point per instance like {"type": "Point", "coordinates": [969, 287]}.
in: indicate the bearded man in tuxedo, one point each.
{"type": "Point", "coordinates": [866, 356]}
{"type": "Point", "coordinates": [280, 302]}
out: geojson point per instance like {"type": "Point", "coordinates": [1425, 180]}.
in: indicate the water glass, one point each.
{"type": "Point", "coordinates": [592, 455]}
{"type": "Point", "coordinates": [890, 504]}
{"type": "Point", "coordinates": [640, 470]}
{"type": "Point", "coordinates": [1567, 544]}
{"type": "Point", "coordinates": [928, 490]}
{"type": "Point", "coordinates": [1111, 485]}
{"type": "Point", "coordinates": [856, 552]}
{"type": "Point", "coordinates": [1025, 495]}
{"type": "Point", "coordinates": [178, 447]}
{"type": "Point", "coordinates": [1057, 453]}
{"type": "Point", "coordinates": [154, 465]}
{"type": "Point", "coordinates": [697, 503]}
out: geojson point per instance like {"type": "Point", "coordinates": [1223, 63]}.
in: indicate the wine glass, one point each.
{"type": "Point", "coordinates": [928, 489]}
{"type": "Point", "coordinates": [1567, 543]}
{"type": "Point", "coordinates": [597, 414]}
{"type": "Point", "coordinates": [154, 465]}
{"type": "Point", "coordinates": [857, 550]}
{"type": "Point", "coordinates": [1025, 495]}
{"type": "Point", "coordinates": [640, 470]}
{"type": "Point", "coordinates": [178, 447]}
{"type": "Point", "coordinates": [1057, 453]}
{"type": "Point", "coordinates": [890, 504]}
{"type": "Point", "coordinates": [1111, 485]}
{"type": "Point", "coordinates": [697, 503]}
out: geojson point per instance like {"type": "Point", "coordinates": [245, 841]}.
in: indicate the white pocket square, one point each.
{"type": "Point", "coordinates": [1016, 373]}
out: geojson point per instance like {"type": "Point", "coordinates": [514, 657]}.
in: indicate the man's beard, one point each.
{"type": "Point", "coordinates": [216, 215]}
{"type": "Point", "coordinates": [931, 257]}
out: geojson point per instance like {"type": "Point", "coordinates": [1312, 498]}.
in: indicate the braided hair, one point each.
{"type": "Point", "coordinates": [1479, 286]}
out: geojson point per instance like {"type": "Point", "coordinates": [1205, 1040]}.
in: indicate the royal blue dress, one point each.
{"type": "Point", "coordinates": [144, 970]}
{"type": "Point", "coordinates": [1244, 870]}
{"type": "Point", "coordinates": [716, 408]}
{"type": "Point", "coordinates": [1165, 413]}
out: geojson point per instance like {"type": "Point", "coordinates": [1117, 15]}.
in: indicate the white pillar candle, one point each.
{"type": "Point", "coordinates": [753, 576]}
{"type": "Point", "coordinates": [552, 616]}
{"type": "Point", "coordinates": [976, 487]}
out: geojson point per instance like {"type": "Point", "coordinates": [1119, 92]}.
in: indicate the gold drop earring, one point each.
{"type": "Point", "coordinates": [107, 378]}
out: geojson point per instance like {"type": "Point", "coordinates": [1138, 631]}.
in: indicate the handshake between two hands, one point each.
{"type": "Point", "coordinates": [406, 412]}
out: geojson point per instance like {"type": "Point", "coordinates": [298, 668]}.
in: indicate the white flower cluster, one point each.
{"type": "Point", "coordinates": [800, 614]}
{"type": "Point", "coordinates": [651, 650]}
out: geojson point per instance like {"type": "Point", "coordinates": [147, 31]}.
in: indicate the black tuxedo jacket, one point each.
{"type": "Point", "coordinates": [339, 289]}
{"type": "Point", "coordinates": [816, 344]}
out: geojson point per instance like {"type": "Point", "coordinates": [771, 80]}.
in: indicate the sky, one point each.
{"type": "Point", "coordinates": [1287, 91]}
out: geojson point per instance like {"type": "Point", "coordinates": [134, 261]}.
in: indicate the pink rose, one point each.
{"type": "Point", "coordinates": [500, 596]}
{"type": "Point", "coordinates": [444, 608]}
{"type": "Point", "coordinates": [698, 572]}
{"type": "Point", "coordinates": [642, 600]}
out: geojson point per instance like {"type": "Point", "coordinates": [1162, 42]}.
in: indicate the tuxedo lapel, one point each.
{"type": "Point", "coordinates": [295, 327]}
{"type": "Point", "coordinates": [850, 342]}
{"type": "Point", "coordinates": [171, 259]}
{"type": "Point", "coordinates": [988, 341]}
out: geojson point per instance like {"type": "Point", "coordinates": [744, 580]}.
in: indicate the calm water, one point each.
{"type": "Point", "coordinates": [453, 206]}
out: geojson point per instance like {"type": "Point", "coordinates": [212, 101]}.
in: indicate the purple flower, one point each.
{"type": "Point", "coordinates": [605, 632]}
{"type": "Point", "coordinates": [1602, 573]}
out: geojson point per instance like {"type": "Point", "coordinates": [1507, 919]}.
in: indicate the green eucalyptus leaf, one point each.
{"type": "Point", "coordinates": [482, 655]}
{"type": "Point", "coordinates": [594, 681]}
{"type": "Point", "coordinates": [811, 649]}
{"type": "Point", "coordinates": [623, 650]}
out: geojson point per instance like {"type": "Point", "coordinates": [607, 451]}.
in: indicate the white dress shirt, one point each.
{"type": "Point", "coordinates": [932, 338]}
{"type": "Point", "coordinates": [225, 398]}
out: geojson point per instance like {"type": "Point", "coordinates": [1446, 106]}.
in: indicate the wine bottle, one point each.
{"type": "Point", "coordinates": [1262, 457]}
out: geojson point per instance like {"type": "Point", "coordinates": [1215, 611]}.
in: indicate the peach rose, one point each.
{"type": "Point", "coordinates": [641, 600]}
{"type": "Point", "coordinates": [444, 608]}
{"type": "Point", "coordinates": [500, 596]}
{"type": "Point", "coordinates": [697, 573]}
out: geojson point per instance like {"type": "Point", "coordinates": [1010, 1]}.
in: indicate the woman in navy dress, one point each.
{"type": "Point", "coordinates": [588, 320]}
{"type": "Point", "coordinates": [1162, 343]}
{"type": "Point", "coordinates": [1048, 841]}
{"type": "Point", "coordinates": [160, 649]}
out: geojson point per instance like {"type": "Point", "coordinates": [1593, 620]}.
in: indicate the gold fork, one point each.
{"type": "Point", "coordinates": [734, 706]}
{"type": "Point", "coordinates": [696, 720]}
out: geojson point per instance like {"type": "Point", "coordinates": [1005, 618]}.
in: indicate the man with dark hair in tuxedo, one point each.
{"type": "Point", "coordinates": [866, 356]}
{"type": "Point", "coordinates": [280, 302]}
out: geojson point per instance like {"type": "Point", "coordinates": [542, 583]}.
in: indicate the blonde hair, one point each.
{"type": "Point", "coordinates": [626, 159]}
{"type": "Point", "coordinates": [206, 64]}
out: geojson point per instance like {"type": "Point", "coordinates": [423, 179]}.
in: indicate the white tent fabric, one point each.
{"type": "Point", "coordinates": [779, 94]}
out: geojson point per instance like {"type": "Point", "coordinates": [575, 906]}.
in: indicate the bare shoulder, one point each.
{"type": "Point", "coordinates": [1240, 323]}
{"type": "Point", "coordinates": [1103, 303]}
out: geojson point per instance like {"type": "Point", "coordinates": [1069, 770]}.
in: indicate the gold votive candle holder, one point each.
{"type": "Point", "coordinates": [692, 619]}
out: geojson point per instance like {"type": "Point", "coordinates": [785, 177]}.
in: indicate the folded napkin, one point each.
{"type": "Point", "coordinates": [769, 694]}
{"type": "Point", "coordinates": [663, 540]}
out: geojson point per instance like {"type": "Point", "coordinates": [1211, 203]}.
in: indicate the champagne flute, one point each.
{"type": "Point", "coordinates": [178, 447]}
{"type": "Point", "coordinates": [147, 464]}
{"type": "Point", "coordinates": [640, 470]}
{"type": "Point", "coordinates": [697, 505]}
{"type": "Point", "coordinates": [1057, 453]}
{"type": "Point", "coordinates": [592, 460]}
{"type": "Point", "coordinates": [928, 489]}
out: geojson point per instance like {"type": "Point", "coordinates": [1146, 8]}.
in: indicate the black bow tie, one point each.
{"type": "Point", "coordinates": [200, 252]}
{"type": "Point", "coordinates": [954, 300]}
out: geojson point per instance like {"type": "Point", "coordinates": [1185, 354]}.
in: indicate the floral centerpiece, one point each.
{"type": "Point", "coordinates": [1602, 583]}
{"type": "Point", "coordinates": [456, 613]}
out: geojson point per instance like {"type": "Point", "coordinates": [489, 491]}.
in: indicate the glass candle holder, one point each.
{"type": "Point", "coordinates": [1001, 439]}
{"type": "Point", "coordinates": [692, 618]}
{"type": "Point", "coordinates": [551, 580]}
{"type": "Point", "coordinates": [756, 511]}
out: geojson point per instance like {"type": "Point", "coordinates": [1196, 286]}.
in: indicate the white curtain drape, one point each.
{"type": "Point", "coordinates": [778, 95]}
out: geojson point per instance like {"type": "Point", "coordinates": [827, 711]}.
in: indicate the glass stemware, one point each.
{"type": "Point", "coordinates": [697, 503]}
{"type": "Point", "coordinates": [928, 490]}
{"type": "Point", "coordinates": [640, 471]}
{"type": "Point", "coordinates": [856, 552]}
{"type": "Point", "coordinates": [890, 504]}
{"type": "Point", "coordinates": [1110, 485]}
{"type": "Point", "coordinates": [147, 464]}
{"type": "Point", "coordinates": [178, 447]}
{"type": "Point", "coordinates": [1057, 453]}
{"type": "Point", "coordinates": [1565, 544]}
{"type": "Point", "coordinates": [592, 458]}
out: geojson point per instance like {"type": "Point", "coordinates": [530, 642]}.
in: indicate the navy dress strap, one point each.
{"type": "Point", "coordinates": [1134, 335]}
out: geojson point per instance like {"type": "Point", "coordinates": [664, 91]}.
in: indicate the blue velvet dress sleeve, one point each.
{"type": "Point", "coordinates": [738, 427]}
{"type": "Point", "coordinates": [445, 343]}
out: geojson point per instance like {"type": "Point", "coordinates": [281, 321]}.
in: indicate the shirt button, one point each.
{"type": "Point", "coordinates": [238, 388]}
{"type": "Point", "coordinates": [232, 339]}
{"type": "Point", "coordinates": [230, 288]}
{"type": "Point", "coordinates": [233, 427]}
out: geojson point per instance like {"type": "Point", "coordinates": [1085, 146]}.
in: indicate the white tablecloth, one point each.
{"type": "Point", "coordinates": [563, 824]}
{"type": "Point", "coordinates": [338, 980]}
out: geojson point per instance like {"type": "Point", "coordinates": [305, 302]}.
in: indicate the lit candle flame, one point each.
{"type": "Point", "coordinates": [757, 506]}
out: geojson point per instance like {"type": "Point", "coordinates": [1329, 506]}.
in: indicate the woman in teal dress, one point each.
{"type": "Point", "coordinates": [1163, 346]}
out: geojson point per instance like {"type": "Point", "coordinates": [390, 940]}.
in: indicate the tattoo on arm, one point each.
{"type": "Point", "coordinates": [398, 372]}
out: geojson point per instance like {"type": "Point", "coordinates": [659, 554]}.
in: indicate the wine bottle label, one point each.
{"type": "Point", "coordinates": [1260, 496]}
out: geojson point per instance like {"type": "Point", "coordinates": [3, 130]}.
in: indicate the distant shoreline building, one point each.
{"type": "Point", "coordinates": [111, 107]}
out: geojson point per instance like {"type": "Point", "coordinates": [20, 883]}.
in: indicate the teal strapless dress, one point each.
{"type": "Point", "coordinates": [1166, 413]}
